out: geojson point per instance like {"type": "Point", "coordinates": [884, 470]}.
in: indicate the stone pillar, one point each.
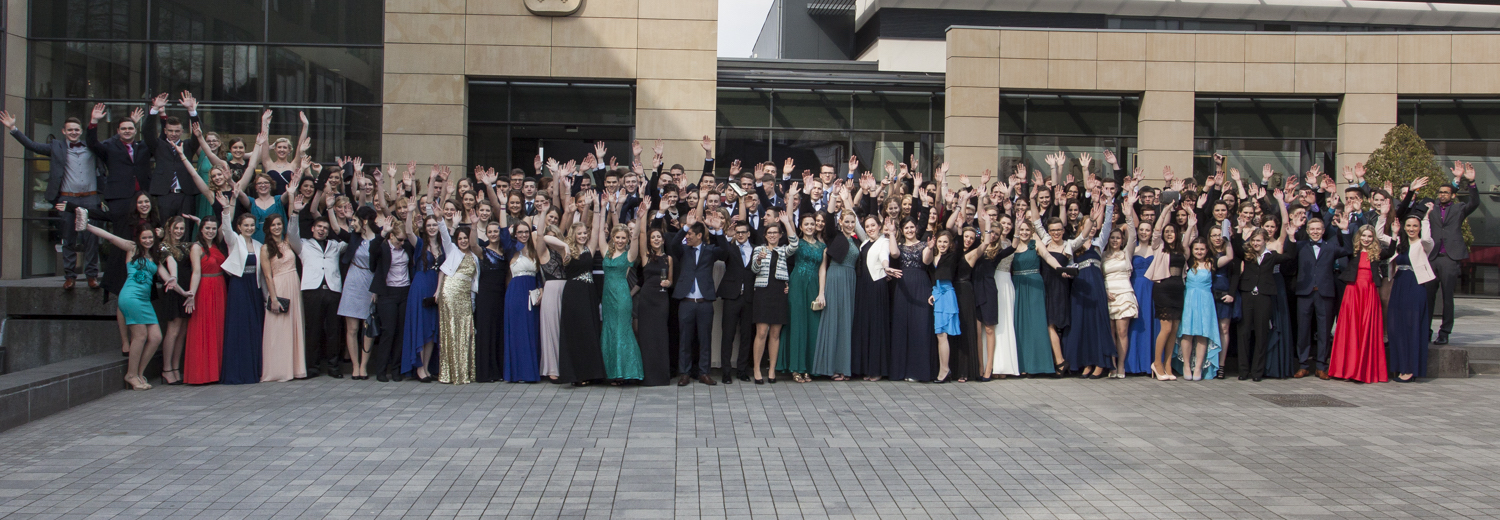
{"type": "Point", "coordinates": [972, 117]}
{"type": "Point", "coordinates": [424, 117]}
{"type": "Point", "coordinates": [676, 71]}
{"type": "Point", "coordinates": [1364, 120]}
{"type": "Point", "coordinates": [13, 190]}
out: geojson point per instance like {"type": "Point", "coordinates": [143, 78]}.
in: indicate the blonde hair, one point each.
{"type": "Point", "coordinates": [1373, 243]}
{"type": "Point", "coordinates": [573, 248]}
{"type": "Point", "coordinates": [614, 230]}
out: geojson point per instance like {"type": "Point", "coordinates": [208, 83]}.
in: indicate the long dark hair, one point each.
{"type": "Point", "coordinates": [273, 244]}
{"type": "Point", "coordinates": [154, 252]}
{"type": "Point", "coordinates": [218, 239]}
{"type": "Point", "coordinates": [1174, 246]}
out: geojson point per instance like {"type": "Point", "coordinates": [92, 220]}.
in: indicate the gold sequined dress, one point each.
{"type": "Point", "coordinates": [456, 324]}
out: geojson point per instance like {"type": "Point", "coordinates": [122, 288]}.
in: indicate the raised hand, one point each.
{"type": "Point", "coordinates": [599, 150]}
{"type": "Point", "coordinates": [159, 102]}
{"type": "Point", "coordinates": [1458, 170]}
{"type": "Point", "coordinates": [656, 148]}
{"type": "Point", "coordinates": [8, 120]}
{"type": "Point", "coordinates": [1418, 183]}
{"type": "Point", "coordinates": [1111, 160]}
{"type": "Point", "coordinates": [786, 167]}
{"type": "Point", "coordinates": [915, 164]}
{"type": "Point", "coordinates": [890, 169]}
{"type": "Point", "coordinates": [1359, 172]}
{"type": "Point", "coordinates": [708, 147]}
{"type": "Point", "coordinates": [188, 101]}
{"type": "Point", "coordinates": [1218, 161]}
{"type": "Point", "coordinates": [1469, 171]}
{"type": "Point", "coordinates": [1168, 175]}
{"type": "Point", "coordinates": [635, 149]}
{"type": "Point", "coordinates": [1084, 160]}
{"type": "Point", "coordinates": [98, 113]}
{"type": "Point", "coordinates": [1234, 173]}
{"type": "Point", "coordinates": [853, 164]}
{"type": "Point", "coordinates": [137, 113]}
{"type": "Point", "coordinates": [984, 178]}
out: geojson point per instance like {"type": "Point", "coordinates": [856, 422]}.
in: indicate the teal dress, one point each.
{"type": "Point", "coordinates": [799, 339]}
{"type": "Point", "coordinates": [205, 167]}
{"type": "Point", "coordinates": [622, 355]}
{"type": "Point", "coordinates": [1033, 345]}
{"type": "Point", "coordinates": [1200, 317]}
{"type": "Point", "coordinates": [837, 323]}
{"type": "Point", "coordinates": [135, 296]}
{"type": "Point", "coordinates": [262, 214]}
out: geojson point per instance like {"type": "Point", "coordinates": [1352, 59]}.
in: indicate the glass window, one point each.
{"type": "Point", "coordinates": [333, 75]}
{"type": "Point", "coordinates": [1325, 119]}
{"type": "Point", "coordinates": [360, 22]}
{"type": "Point", "coordinates": [216, 21]}
{"type": "Point", "coordinates": [88, 19]}
{"type": "Point", "coordinates": [1406, 113]}
{"type": "Point", "coordinates": [810, 110]}
{"type": "Point", "coordinates": [42, 257]}
{"type": "Point", "coordinates": [210, 72]}
{"type": "Point", "coordinates": [1069, 115]}
{"type": "Point", "coordinates": [87, 70]}
{"type": "Point", "coordinates": [1012, 114]}
{"type": "Point", "coordinates": [898, 112]}
{"type": "Point", "coordinates": [1459, 119]}
{"type": "Point", "coordinates": [744, 108]}
{"type": "Point", "coordinates": [748, 146]}
{"type": "Point", "coordinates": [810, 149]}
{"type": "Point", "coordinates": [1264, 118]}
{"type": "Point", "coordinates": [1203, 118]}
{"type": "Point", "coordinates": [875, 148]}
{"type": "Point", "coordinates": [489, 102]}
{"type": "Point", "coordinates": [939, 112]}
{"type": "Point", "coordinates": [334, 131]}
{"type": "Point", "coordinates": [573, 104]}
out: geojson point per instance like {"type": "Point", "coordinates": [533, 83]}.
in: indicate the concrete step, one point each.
{"type": "Point", "coordinates": [1484, 367]}
{"type": "Point", "coordinates": [1481, 352]}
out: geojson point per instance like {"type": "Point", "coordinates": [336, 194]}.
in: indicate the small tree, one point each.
{"type": "Point", "coordinates": [1402, 157]}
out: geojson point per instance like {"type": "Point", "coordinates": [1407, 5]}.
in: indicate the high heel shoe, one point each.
{"type": "Point", "coordinates": [1160, 377]}
{"type": "Point", "coordinates": [760, 381]}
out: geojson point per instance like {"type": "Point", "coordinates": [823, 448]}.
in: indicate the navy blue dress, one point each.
{"type": "Point", "coordinates": [244, 310]}
{"type": "Point", "coordinates": [871, 338]}
{"type": "Point", "coordinates": [421, 325]}
{"type": "Point", "coordinates": [1087, 341]}
{"type": "Point", "coordinates": [1406, 324]}
{"type": "Point", "coordinates": [913, 344]}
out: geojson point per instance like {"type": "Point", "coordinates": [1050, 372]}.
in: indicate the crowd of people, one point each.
{"type": "Point", "coordinates": [251, 262]}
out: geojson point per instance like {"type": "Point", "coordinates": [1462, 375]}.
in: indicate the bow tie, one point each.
{"type": "Point", "coordinates": [75, 145]}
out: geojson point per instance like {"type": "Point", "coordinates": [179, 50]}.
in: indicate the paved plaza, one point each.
{"type": "Point", "coordinates": [1020, 448]}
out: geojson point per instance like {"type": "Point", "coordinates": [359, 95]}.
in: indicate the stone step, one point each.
{"type": "Point", "coordinates": [1481, 352]}
{"type": "Point", "coordinates": [1484, 367]}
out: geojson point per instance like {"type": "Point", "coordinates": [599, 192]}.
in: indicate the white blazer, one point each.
{"type": "Point", "coordinates": [453, 256]}
{"type": "Point", "coordinates": [320, 264]}
{"type": "Point", "coordinates": [879, 258]}
{"type": "Point", "coordinates": [239, 246]}
{"type": "Point", "coordinates": [1418, 254]}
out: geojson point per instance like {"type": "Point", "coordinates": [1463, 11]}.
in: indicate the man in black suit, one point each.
{"type": "Point", "coordinates": [127, 164]}
{"type": "Point", "coordinates": [1315, 290]}
{"type": "Point", "coordinates": [695, 288]}
{"type": "Point", "coordinates": [72, 179]}
{"type": "Point", "coordinates": [735, 289]}
{"type": "Point", "coordinates": [1255, 280]}
{"type": "Point", "coordinates": [175, 192]}
{"type": "Point", "coordinates": [1448, 247]}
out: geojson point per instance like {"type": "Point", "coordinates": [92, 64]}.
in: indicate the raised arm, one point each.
{"type": "Point", "coordinates": [293, 230]}
{"type": "Point", "coordinates": [122, 244]}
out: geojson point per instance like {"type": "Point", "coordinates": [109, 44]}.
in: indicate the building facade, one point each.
{"type": "Point", "coordinates": [977, 83]}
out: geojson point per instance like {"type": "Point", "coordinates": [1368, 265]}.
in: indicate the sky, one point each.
{"type": "Point", "coordinates": [739, 24]}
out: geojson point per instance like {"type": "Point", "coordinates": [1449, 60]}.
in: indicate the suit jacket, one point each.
{"type": "Point", "coordinates": [1447, 230]}
{"type": "Point", "coordinates": [57, 149]}
{"type": "Point", "coordinates": [1256, 276]}
{"type": "Point", "coordinates": [320, 262]}
{"type": "Point", "coordinates": [739, 275]}
{"type": "Point", "coordinates": [1317, 271]}
{"type": "Point", "coordinates": [689, 269]}
{"type": "Point", "coordinates": [126, 169]}
{"type": "Point", "coordinates": [380, 266]}
{"type": "Point", "coordinates": [1378, 266]}
{"type": "Point", "coordinates": [169, 166]}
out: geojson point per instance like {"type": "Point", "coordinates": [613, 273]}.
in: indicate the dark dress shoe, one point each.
{"type": "Point", "coordinates": [1323, 374]}
{"type": "Point", "coordinates": [312, 373]}
{"type": "Point", "coordinates": [741, 376]}
{"type": "Point", "coordinates": [68, 283]}
{"type": "Point", "coordinates": [336, 374]}
{"type": "Point", "coordinates": [706, 380]}
{"type": "Point", "coordinates": [93, 282]}
{"type": "Point", "coordinates": [1244, 377]}
{"type": "Point", "coordinates": [397, 377]}
{"type": "Point", "coordinates": [1442, 338]}
{"type": "Point", "coordinates": [1301, 373]}
{"type": "Point", "coordinates": [1256, 379]}
{"type": "Point", "coordinates": [683, 380]}
{"type": "Point", "coordinates": [381, 377]}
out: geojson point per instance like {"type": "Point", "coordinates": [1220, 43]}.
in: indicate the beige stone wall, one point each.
{"type": "Point", "coordinates": [12, 229]}
{"type": "Point", "coordinates": [667, 47]}
{"type": "Point", "coordinates": [1169, 69]}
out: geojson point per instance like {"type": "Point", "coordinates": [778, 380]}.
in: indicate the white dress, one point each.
{"type": "Point", "coordinates": [1117, 270]}
{"type": "Point", "coordinates": [1005, 329]}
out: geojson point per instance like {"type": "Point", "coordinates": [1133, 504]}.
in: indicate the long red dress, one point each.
{"type": "Point", "coordinates": [1359, 339]}
{"type": "Point", "coordinates": [205, 330]}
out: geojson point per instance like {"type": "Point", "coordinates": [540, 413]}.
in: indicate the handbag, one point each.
{"type": "Point", "coordinates": [533, 298]}
{"type": "Point", "coordinates": [279, 306]}
{"type": "Point", "coordinates": [818, 305]}
{"type": "Point", "coordinates": [372, 324]}
{"type": "Point", "coordinates": [430, 301]}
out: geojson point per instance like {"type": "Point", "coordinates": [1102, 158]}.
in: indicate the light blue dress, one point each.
{"type": "Point", "coordinates": [1200, 317]}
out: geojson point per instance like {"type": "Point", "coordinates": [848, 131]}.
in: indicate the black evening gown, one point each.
{"type": "Point", "coordinates": [913, 341]}
{"type": "Point", "coordinates": [651, 305]}
{"type": "Point", "coordinates": [489, 315]}
{"type": "Point", "coordinates": [1281, 349]}
{"type": "Point", "coordinates": [244, 310]}
{"type": "Point", "coordinates": [1059, 289]}
{"type": "Point", "coordinates": [579, 358]}
{"type": "Point", "coordinates": [871, 339]}
{"type": "Point", "coordinates": [963, 349]}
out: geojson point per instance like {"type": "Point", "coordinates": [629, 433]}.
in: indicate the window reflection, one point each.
{"type": "Point", "coordinates": [88, 70]}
